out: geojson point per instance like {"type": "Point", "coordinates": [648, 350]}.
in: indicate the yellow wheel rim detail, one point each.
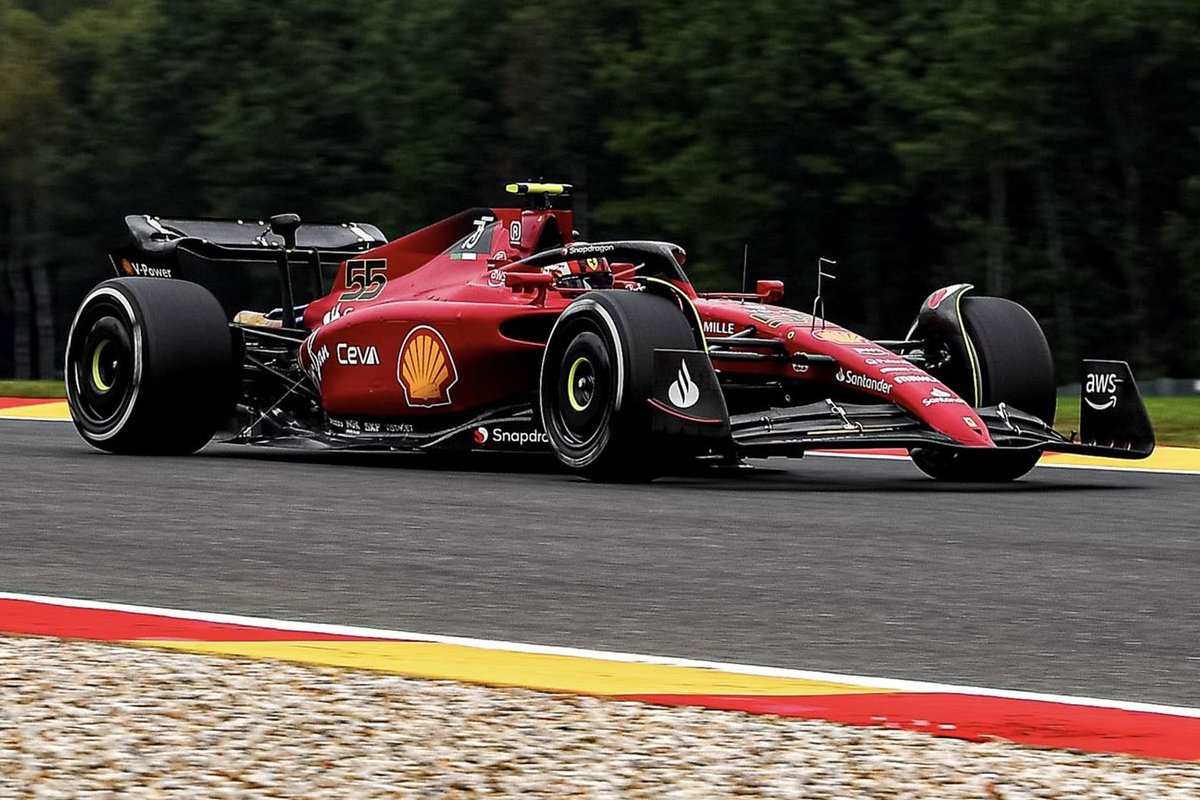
{"type": "Point", "coordinates": [575, 404]}
{"type": "Point", "coordinates": [96, 354]}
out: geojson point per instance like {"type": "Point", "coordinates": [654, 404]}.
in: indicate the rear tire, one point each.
{"type": "Point", "coordinates": [150, 367]}
{"type": "Point", "coordinates": [597, 374]}
{"type": "Point", "coordinates": [1016, 368]}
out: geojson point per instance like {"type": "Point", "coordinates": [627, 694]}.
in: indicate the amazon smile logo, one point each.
{"type": "Point", "coordinates": [1104, 385]}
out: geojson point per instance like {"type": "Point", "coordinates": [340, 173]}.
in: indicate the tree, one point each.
{"type": "Point", "coordinates": [30, 119]}
{"type": "Point", "coordinates": [1043, 150]}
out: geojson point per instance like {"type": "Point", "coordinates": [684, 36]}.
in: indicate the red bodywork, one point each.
{"type": "Point", "coordinates": [443, 322]}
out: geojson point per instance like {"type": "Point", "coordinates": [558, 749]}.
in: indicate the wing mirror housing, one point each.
{"type": "Point", "coordinates": [528, 280]}
{"type": "Point", "coordinates": [769, 291]}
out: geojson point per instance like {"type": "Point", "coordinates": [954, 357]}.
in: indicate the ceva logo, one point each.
{"type": "Point", "coordinates": [354, 356]}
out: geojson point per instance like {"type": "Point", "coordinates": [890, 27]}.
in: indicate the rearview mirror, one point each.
{"type": "Point", "coordinates": [527, 280]}
{"type": "Point", "coordinates": [769, 291]}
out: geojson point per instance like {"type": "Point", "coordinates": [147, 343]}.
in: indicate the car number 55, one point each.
{"type": "Point", "coordinates": [365, 279]}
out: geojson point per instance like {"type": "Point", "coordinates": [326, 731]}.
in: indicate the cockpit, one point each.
{"type": "Point", "coordinates": [601, 265]}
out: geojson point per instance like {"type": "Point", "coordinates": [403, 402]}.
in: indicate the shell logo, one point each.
{"type": "Point", "coordinates": [838, 336]}
{"type": "Point", "coordinates": [426, 369]}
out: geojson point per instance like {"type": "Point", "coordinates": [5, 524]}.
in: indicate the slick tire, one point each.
{"type": "Point", "coordinates": [597, 375]}
{"type": "Point", "coordinates": [150, 367]}
{"type": "Point", "coordinates": [1016, 368]}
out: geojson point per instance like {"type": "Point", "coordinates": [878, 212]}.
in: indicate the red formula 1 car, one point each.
{"type": "Point", "coordinates": [496, 330]}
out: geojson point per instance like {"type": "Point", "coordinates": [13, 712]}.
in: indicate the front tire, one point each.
{"type": "Point", "coordinates": [597, 374]}
{"type": "Point", "coordinates": [149, 367]}
{"type": "Point", "coordinates": [1016, 368]}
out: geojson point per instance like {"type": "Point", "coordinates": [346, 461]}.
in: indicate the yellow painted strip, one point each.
{"type": "Point", "coordinates": [551, 673]}
{"type": "Point", "coordinates": [1176, 459]}
{"type": "Point", "coordinates": [538, 188]}
{"type": "Point", "coordinates": [52, 410]}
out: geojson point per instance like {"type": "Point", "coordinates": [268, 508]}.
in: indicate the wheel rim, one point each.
{"type": "Point", "coordinates": [579, 418]}
{"type": "Point", "coordinates": [104, 372]}
{"type": "Point", "coordinates": [100, 367]}
{"type": "Point", "coordinates": [581, 384]}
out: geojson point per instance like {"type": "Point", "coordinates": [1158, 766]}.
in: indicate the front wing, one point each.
{"type": "Point", "coordinates": [1113, 423]}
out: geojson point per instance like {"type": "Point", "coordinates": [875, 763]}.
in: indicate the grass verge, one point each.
{"type": "Point", "coordinates": [32, 389]}
{"type": "Point", "coordinates": [1176, 419]}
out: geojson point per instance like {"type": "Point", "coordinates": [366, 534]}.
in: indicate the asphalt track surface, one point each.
{"type": "Point", "coordinates": [1070, 581]}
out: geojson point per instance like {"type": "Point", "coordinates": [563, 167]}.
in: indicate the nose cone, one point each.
{"type": "Point", "coordinates": [865, 366]}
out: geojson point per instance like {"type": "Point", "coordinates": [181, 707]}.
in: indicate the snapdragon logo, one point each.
{"type": "Point", "coordinates": [863, 381]}
{"type": "Point", "coordinates": [580, 249]}
{"type": "Point", "coordinates": [500, 436]}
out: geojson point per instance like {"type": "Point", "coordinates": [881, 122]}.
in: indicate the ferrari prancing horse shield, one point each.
{"type": "Point", "coordinates": [426, 369]}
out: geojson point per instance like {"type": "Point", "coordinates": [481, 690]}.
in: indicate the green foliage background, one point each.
{"type": "Point", "coordinates": [1046, 151]}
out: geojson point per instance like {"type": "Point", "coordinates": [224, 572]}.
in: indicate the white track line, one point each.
{"type": "Point", "coordinates": [606, 655]}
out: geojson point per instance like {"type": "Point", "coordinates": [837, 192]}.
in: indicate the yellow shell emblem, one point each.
{"type": "Point", "coordinates": [426, 369]}
{"type": "Point", "coordinates": [838, 335]}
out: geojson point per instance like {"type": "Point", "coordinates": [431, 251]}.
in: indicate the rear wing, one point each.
{"type": "Point", "coordinates": [211, 252]}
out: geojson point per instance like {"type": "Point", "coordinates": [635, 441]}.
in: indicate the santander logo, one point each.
{"type": "Point", "coordinates": [937, 297]}
{"type": "Point", "coordinates": [683, 392]}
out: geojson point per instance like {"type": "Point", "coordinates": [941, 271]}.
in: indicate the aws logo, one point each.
{"type": "Point", "coordinates": [1104, 385]}
{"type": "Point", "coordinates": [426, 368]}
